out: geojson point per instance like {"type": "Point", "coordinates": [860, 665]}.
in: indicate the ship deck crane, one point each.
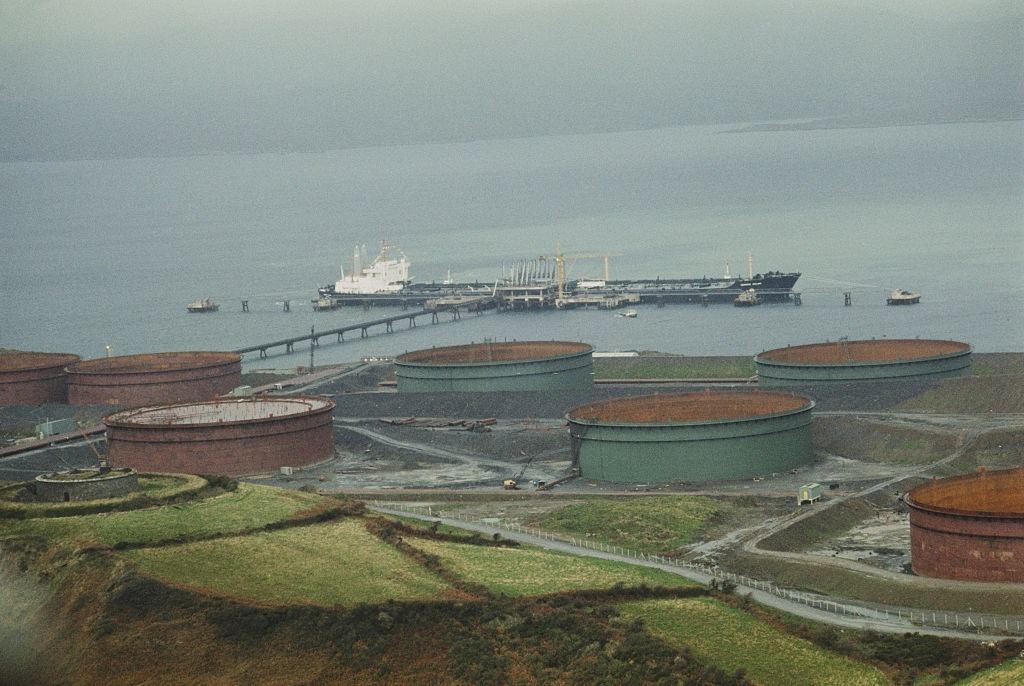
{"type": "Point", "coordinates": [560, 270]}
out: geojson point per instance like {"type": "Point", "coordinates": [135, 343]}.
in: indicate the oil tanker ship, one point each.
{"type": "Point", "coordinates": [542, 283]}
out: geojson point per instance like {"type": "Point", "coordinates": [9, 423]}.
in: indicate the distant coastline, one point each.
{"type": "Point", "coordinates": [830, 123]}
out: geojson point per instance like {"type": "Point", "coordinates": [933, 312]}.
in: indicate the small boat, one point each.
{"type": "Point", "coordinates": [321, 304]}
{"type": "Point", "coordinates": [902, 297]}
{"type": "Point", "coordinates": [204, 305]}
{"type": "Point", "coordinates": [631, 314]}
{"type": "Point", "coordinates": [747, 298]}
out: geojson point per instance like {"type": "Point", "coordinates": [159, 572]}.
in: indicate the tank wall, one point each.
{"type": "Point", "coordinates": [729, 450]}
{"type": "Point", "coordinates": [47, 386]}
{"type": "Point", "coordinates": [967, 548]}
{"type": "Point", "coordinates": [776, 374]}
{"type": "Point", "coordinates": [235, 450]}
{"type": "Point", "coordinates": [534, 375]}
{"type": "Point", "coordinates": [136, 390]}
{"type": "Point", "coordinates": [38, 386]}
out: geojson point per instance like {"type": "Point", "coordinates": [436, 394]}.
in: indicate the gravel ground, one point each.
{"type": "Point", "coordinates": [59, 458]}
{"type": "Point", "coordinates": [864, 396]}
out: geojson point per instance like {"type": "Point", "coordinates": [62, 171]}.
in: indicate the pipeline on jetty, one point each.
{"type": "Point", "coordinates": [362, 327]}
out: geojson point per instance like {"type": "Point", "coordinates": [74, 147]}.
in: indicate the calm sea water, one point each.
{"type": "Point", "coordinates": [98, 253]}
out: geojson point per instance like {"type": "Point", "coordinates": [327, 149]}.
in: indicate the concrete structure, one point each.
{"type": "Point", "coordinates": [516, 366]}
{"type": "Point", "coordinates": [34, 378]}
{"type": "Point", "coordinates": [153, 378]}
{"type": "Point", "coordinates": [863, 361]}
{"type": "Point", "coordinates": [691, 436]}
{"type": "Point", "coordinates": [236, 437]}
{"type": "Point", "coordinates": [85, 484]}
{"type": "Point", "coordinates": [969, 527]}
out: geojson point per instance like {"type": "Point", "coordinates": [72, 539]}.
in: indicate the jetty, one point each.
{"type": "Point", "coordinates": [435, 314]}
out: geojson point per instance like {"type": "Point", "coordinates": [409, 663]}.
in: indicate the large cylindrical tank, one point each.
{"type": "Point", "coordinates": [153, 378]}
{"type": "Point", "coordinates": [234, 437]}
{"type": "Point", "coordinates": [515, 366]}
{"type": "Point", "coordinates": [703, 436]}
{"type": "Point", "coordinates": [872, 360]}
{"type": "Point", "coordinates": [28, 378]}
{"type": "Point", "coordinates": [969, 527]}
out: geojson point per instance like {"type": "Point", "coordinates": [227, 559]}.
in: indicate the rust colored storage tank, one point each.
{"type": "Point", "coordinates": [153, 378]}
{"type": "Point", "coordinates": [28, 378]}
{"type": "Point", "coordinates": [969, 527]}
{"type": "Point", "coordinates": [234, 437]}
{"type": "Point", "coordinates": [874, 360]}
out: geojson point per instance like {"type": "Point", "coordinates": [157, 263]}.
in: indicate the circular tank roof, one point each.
{"type": "Point", "coordinates": [17, 361]}
{"type": "Point", "coordinates": [494, 353]}
{"type": "Point", "coordinates": [864, 352]}
{"type": "Point", "coordinates": [997, 493]}
{"type": "Point", "coordinates": [220, 412]}
{"type": "Point", "coordinates": [153, 362]}
{"type": "Point", "coordinates": [689, 408]}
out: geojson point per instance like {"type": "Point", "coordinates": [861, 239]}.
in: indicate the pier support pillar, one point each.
{"type": "Point", "coordinates": [388, 327]}
{"type": "Point", "coordinates": [363, 332]}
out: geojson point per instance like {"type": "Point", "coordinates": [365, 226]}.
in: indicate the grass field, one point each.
{"type": "Point", "coordinates": [248, 507]}
{"type": "Point", "coordinates": [337, 563]}
{"type": "Point", "coordinates": [531, 571]}
{"type": "Point", "coordinates": [1009, 673]}
{"type": "Point", "coordinates": [656, 524]}
{"type": "Point", "coordinates": [674, 367]}
{"type": "Point", "coordinates": [732, 639]}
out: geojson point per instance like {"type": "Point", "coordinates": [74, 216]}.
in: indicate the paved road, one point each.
{"type": "Point", "coordinates": [893, 625]}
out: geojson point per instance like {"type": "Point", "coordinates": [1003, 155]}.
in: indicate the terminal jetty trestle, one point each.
{"type": "Point", "coordinates": [435, 314]}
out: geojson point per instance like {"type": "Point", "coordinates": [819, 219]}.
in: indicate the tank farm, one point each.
{"type": "Point", "coordinates": [29, 378]}
{"type": "Point", "coordinates": [153, 378]}
{"type": "Point", "coordinates": [515, 366]}
{"type": "Point", "coordinates": [969, 527]}
{"type": "Point", "coordinates": [236, 437]}
{"type": "Point", "coordinates": [704, 436]}
{"type": "Point", "coordinates": [863, 361]}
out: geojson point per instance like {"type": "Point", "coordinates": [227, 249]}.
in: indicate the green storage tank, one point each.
{"type": "Point", "coordinates": [506, 366]}
{"type": "Point", "coordinates": [695, 437]}
{"type": "Point", "coordinates": [874, 360]}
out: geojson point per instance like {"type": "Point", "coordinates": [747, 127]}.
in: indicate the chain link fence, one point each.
{"type": "Point", "coordinates": [887, 614]}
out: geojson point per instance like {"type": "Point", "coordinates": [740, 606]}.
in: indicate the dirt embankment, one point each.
{"type": "Point", "coordinates": [874, 440]}
{"type": "Point", "coordinates": [970, 395]}
{"type": "Point", "coordinates": [834, 521]}
{"type": "Point", "coordinates": [998, 449]}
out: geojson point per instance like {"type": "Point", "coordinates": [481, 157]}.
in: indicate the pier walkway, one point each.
{"type": "Point", "coordinates": [362, 327]}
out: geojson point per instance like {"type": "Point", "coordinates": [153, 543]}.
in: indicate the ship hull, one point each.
{"type": "Point", "coordinates": [773, 287]}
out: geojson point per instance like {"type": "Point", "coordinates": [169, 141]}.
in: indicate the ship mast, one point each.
{"type": "Point", "coordinates": [750, 265]}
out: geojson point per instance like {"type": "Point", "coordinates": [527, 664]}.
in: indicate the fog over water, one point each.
{"type": "Point", "coordinates": [151, 155]}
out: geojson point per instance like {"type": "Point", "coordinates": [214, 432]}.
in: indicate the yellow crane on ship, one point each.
{"type": "Point", "coordinates": [561, 271]}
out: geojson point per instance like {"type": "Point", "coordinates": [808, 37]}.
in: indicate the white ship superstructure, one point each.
{"type": "Point", "coordinates": [384, 275]}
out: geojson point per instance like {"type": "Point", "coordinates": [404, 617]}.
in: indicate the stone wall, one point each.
{"type": "Point", "coordinates": [111, 485]}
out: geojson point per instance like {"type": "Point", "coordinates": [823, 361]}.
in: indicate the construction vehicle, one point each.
{"type": "Point", "coordinates": [513, 483]}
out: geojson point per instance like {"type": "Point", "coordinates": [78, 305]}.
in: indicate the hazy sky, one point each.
{"type": "Point", "coordinates": [104, 78]}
